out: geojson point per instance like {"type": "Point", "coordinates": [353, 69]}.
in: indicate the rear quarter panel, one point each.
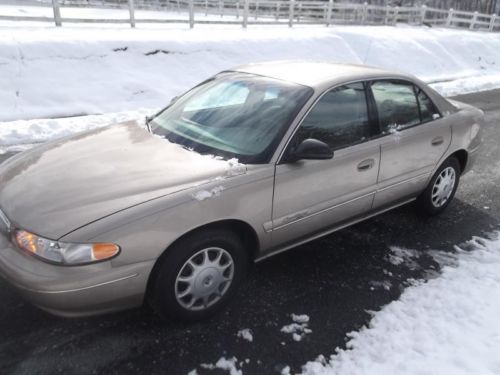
{"type": "Point", "coordinates": [466, 124]}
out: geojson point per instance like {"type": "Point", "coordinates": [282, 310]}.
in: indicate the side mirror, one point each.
{"type": "Point", "coordinates": [311, 149]}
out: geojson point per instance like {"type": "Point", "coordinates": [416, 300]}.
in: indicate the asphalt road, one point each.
{"type": "Point", "coordinates": [335, 280]}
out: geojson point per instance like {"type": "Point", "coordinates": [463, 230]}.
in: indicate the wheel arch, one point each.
{"type": "Point", "coordinates": [462, 156]}
{"type": "Point", "coordinates": [244, 230]}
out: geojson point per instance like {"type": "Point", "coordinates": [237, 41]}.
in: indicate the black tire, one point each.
{"type": "Point", "coordinates": [425, 205]}
{"type": "Point", "coordinates": [162, 294]}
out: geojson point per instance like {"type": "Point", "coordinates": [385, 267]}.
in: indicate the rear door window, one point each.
{"type": "Point", "coordinates": [397, 105]}
{"type": "Point", "coordinates": [428, 111]}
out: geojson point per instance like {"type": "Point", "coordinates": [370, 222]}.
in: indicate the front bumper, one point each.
{"type": "Point", "coordinates": [77, 290]}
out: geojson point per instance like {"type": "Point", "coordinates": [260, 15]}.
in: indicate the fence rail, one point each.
{"type": "Point", "coordinates": [264, 12]}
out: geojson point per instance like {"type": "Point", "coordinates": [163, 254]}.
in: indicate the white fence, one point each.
{"type": "Point", "coordinates": [268, 12]}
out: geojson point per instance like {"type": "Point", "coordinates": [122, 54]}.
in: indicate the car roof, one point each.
{"type": "Point", "coordinates": [316, 74]}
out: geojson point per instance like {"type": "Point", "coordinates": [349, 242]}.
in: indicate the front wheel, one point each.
{"type": "Point", "coordinates": [199, 275]}
{"type": "Point", "coordinates": [441, 189]}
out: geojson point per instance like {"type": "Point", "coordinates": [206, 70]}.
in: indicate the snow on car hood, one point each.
{"type": "Point", "coordinates": [60, 186]}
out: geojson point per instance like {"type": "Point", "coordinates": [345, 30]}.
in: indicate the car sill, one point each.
{"type": "Point", "coordinates": [329, 231]}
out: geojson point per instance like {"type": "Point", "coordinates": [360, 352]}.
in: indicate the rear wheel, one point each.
{"type": "Point", "coordinates": [441, 189]}
{"type": "Point", "coordinates": [199, 275]}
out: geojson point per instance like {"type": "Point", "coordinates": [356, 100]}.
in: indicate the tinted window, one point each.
{"type": "Point", "coordinates": [427, 108]}
{"type": "Point", "coordinates": [339, 118]}
{"type": "Point", "coordinates": [396, 105]}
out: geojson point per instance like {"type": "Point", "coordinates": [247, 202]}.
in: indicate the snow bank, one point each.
{"type": "Point", "coordinates": [48, 72]}
{"type": "Point", "coordinates": [447, 325]}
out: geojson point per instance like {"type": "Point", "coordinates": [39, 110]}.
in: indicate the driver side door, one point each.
{"type": "Point", "coordinates": [312, 195]}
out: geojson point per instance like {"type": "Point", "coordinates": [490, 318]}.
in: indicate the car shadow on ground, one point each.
{"type": "Point", "coordinates": [336, 280]}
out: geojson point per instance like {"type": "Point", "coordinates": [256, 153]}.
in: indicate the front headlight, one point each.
{"type": "Point", "coordinates": [64, 253]}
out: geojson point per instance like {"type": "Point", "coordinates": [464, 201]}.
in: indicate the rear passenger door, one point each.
{"type": "Point", "coordinates": [414, 138]}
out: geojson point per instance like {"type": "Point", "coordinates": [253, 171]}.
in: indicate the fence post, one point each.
{"type": "Point", "coordinates": [237, 10]}
{"type": "Point", "coordinates": [57, 12]}
{"type": "Point", "coordinates": [256, 9]}
{"type": "Point", "coordinates": [450, 17]}
{"type": "Point", "coordinates": [206, 7]}
{"type": "Point", "coordinates": [277, 10]}
{"type": "Point", "coordinates": [387, 11]}
{"type": "Point", "coordinates": [474, 19]}
{"type": "Point", "coordinates": [423, 13]}
{"type": "Point", "coordinates": [395, 17]}
{"type": "Point", "coordinates": [329, 13]}
{"type": "Point", "coordinates": [191, 13]}
{"type": "Point", "coordinates": [131, 11]}
{"type": "Point", "coordinates": [221, 8]}
{"type": "Point", "coordinates": [245, 13]}
{"type": "Point", "coordinates": [299, 12]}
{"type": "Point", "coordinates": [492, 22]}
{"type": "Point", "coordinates": [365, 13]}
{"type": "Point", "coordinates": [290, 13]}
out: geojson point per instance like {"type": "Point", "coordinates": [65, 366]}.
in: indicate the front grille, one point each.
{"type": "Point", "coordinates": [4, 223]}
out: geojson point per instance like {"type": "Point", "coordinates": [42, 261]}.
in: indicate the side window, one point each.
{"type": "Point", "coordinates": [397, 105]}
{"type": "Point", "coordinates": [428, 110]}
{"type": "Point", "coordinates": [339, 118]}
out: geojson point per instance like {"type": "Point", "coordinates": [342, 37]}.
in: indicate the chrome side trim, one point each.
{"type": "Point", "coordinates": [329, 231]}
{"type": "Point", "coordinates": [299, 216]}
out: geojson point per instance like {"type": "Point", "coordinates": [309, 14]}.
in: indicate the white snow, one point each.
{"type": "Point", "coordinates": [404, 256]}
{"type": "Point", "coordinates": [229, 365]}
{"type": "Point", "coordinates": [27, 132]}
{"type": "Point", "coordinates": [447, 325]}
{"type": "Point", "coordinates": [201, 195]}
{"type": "Point", "coordinates": [299, 328]}
{"type": "Point", "coordinates": [245, 334]}
{"type": "Point", "coordinates": [303, 318]}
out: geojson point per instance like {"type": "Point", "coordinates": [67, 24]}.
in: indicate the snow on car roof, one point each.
{"type": "Point", "coordinates": [314, 73]}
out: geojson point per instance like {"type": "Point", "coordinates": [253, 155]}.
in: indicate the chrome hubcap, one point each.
{"type": "Point", "coordinates": [204, 278]}
{"type": "Point", "coordinates": [443, 187]}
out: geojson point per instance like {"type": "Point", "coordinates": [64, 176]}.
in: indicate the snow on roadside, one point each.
{"type": "Point", "coordinates": [55, 72]}
{"type": "Point", "coordinates": [230, 365]}
{"type": "Point", "coordinates": [407, 257]}
{"type": "Point", "coordinates": [447, 325]}
{"type": "Point", "coordinates": [28, 132]}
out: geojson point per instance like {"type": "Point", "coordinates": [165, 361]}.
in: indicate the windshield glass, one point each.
{"type": "Point", "coordinates": [234, 115]}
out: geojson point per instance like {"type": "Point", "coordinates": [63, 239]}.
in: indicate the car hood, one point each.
{"type": "Point", "coordinates": [58, 187]}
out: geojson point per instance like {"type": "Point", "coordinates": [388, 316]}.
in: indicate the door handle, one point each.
{"type": "Point", "coordinates": [437, 141]}
{"type": "Point", "coordinates": [366, 164]}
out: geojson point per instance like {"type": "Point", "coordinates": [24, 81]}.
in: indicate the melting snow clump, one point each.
{"type": "Point", "coordinates": [235, 167]}
{"type": "Point", "coordinates": [299, 328]}
{"type": "Point", "coordinates": [246, 334]}
{"type": "Point", "coordinates": [404, 256]}
{"type": "Point", "coordinates": [201, 195]}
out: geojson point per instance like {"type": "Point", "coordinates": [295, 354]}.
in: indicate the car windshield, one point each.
{"type": "Point", "coordinates": [234, 115]}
